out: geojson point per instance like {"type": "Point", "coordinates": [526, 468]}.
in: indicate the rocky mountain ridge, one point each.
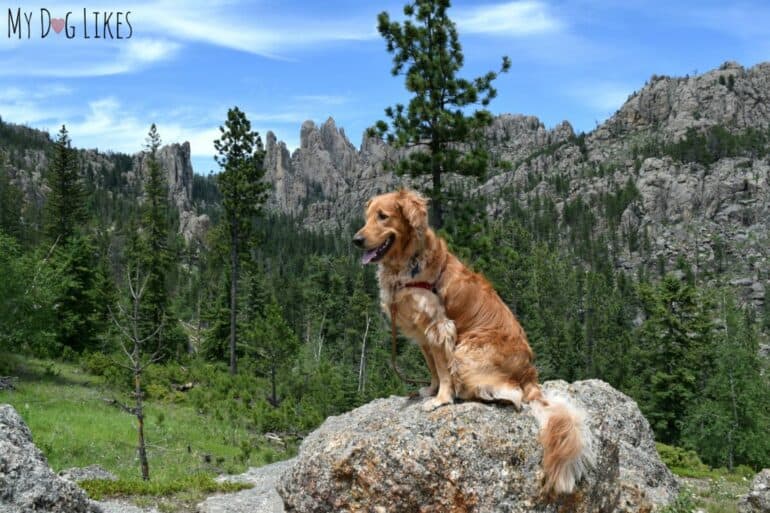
{"type": "Point", "coordinates": [705, 200]}
{"type": "Point", "coordinates": [113, 174]}
{"type": "Point", "coordinates": [711, 210]}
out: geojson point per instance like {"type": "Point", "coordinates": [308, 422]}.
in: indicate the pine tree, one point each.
{"type": "Point", "coordinates": [154, 254]}
{"type": "Point", "coordinates": [65, 207]}
{"type": "Point", "coordinates": [672, 361]}
{"type": "Point", "coordinates": [240, 156]}
{"type": "Point", "coordinates": [79, 306]}
{"type": "Point", "coordinates": [435, 120]}
{"type": "Point", "coordinates": [275, 345]}
{"type": "Point", "coordinates": [728, 424]}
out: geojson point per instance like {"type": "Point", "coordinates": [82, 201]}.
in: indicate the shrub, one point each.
{"type": "Point", "coordinates": [96, 363]}
{"type": "Point", "coordinates": [684, 503]}
{"type": "Point", "coordinates": [681, 461]}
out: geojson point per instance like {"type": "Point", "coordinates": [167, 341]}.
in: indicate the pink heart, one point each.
{"type": "Point", "coordinates": [57, 24]}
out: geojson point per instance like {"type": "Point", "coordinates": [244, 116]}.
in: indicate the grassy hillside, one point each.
{"type": "Point", "coordinates": [74, 425]}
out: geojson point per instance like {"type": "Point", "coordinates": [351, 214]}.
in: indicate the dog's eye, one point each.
{"type": "Point", "coordinates": [382, 216]}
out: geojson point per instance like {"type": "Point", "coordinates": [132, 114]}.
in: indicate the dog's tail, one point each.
{"type": "Point", "coordinates": [568, 449]}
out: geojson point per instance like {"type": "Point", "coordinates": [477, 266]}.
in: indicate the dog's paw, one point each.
{"type": "Point", "coordinates": [435, 402]}
{"type": "Point", "coordinates": [428, 391]}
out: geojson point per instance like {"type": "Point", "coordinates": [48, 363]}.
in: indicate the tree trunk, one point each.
{"type": "Point", "coordinates": [191, 347]}
{"type": "Point", "coordinates": [734, 426]}
{"type": "Point", "coordinates": [233, 297]}
{"type": "Point", "coordinates": [140, 425]}
{"type": "Point", "coordinates": [362, 362]}
{"type": "Point", "coordinates": [274, 394]}
{"type": "Point", "coordinates": [435, 205]}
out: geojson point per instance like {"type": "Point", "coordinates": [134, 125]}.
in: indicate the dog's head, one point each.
{"type": "Point", "coordinates": [395, 227]}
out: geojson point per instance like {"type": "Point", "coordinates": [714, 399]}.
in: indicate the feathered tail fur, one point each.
{"type": "Point", "coordinates": [567, 443]}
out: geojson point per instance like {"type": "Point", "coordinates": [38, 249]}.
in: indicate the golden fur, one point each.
{"type": "Point", "coordinates": [473, 345]}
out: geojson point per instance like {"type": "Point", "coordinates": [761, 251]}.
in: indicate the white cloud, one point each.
{"type": "Point", "coordinates": [521, 18]}
{"type": "Point", "coordinates": [322, 99]}
{"type": "Point", "coordinates": [233, 25]}
{"type": "Point", "coordinates": [84, 61]}
{"type": "Point", "coordinates": [16, 94]}
{"type": "Point", "coordinates": [606, 97]}
{"type": "Point", "coordinates": [162, 28]}
{"type": "Point", "coordinates": [30, 106]}
{"type": "Point", "coordinates": [109, 125]}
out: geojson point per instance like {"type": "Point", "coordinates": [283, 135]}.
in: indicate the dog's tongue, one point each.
{"type": "Point", "coordinates": [368, 256]}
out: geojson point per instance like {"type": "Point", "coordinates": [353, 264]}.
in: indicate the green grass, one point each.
{"type": "Point", "coordinates": [74, 427]}
{"type": "Point", "coordinates": [201, 483]}
{"type": "Point", "coordinates": [714, 490]}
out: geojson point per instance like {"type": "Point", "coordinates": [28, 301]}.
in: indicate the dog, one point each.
{"type": "Point", "coordinates": [473, 345]}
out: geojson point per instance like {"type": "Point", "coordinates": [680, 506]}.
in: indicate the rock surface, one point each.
{"type": "Point", "coordinates": [262, 498]}
{"type": "Point", "coordinates": [389, 455]}
{"type": "Point", "coordinates": [758, 498]}
{"type": "Point", "coordinates": [27, 484]}
{"type": "Point", "coordinates": [175, 160]}
{"type": "Point", "coordinates": [118, 506]}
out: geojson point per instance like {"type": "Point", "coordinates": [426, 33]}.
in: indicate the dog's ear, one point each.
{"type": "Point", "coordinates": [415, 210]}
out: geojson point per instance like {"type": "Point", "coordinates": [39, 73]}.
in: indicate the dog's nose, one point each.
{"type": "Point", "coordinates": [358, 240]}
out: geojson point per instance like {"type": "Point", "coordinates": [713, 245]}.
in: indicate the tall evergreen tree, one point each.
{"type": "Point", "coordinates": [275, 345]}
{"type": "Point", "coordinates": [729, 423]}
{"type": "Point", "coordinates": [427, 51]}
{"type": "Point", "coordinates": [65, 207]}
{"type": "Point", "coordinates": [240, 157]}
{"type": "Point", "coordinates": [80, 308]}
{"type": "Point", "coordinates": [672, 358]}
{"type": "Point", "coordinates": [154, 253]}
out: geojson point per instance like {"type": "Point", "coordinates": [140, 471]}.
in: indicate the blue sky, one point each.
{"type": "Point", "coordinates": [285, 62]}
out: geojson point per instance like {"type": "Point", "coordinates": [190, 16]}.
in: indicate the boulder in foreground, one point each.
{"type": "Point", "coordinates": [758, 498]}
{"type": "Point", "coordinates": [389, 455]}
{"type": "Point", "coordinates": [27, 484]}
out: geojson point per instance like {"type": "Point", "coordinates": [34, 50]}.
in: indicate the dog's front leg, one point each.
{"type": "Point", "coordinates": [431, 389]}
{"type": "Point", "coordinates": [441, 336]}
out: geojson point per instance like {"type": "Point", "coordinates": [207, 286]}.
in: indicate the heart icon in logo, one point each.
{"type": "Point", "coordinates": [57, 24]}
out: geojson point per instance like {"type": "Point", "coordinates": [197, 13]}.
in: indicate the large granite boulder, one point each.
{"type": "Point", "coordinates": [758, 498]}
{"type": "Point", "coordinates": [27, 483]}
{"type": "Point", "coordinates": [389, 455]}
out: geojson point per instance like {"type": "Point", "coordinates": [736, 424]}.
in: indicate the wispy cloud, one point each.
{"type": "Point", "coordinates": [34, 104]}
{"type": "Point", "coordinates": [108, 124]}
{"type": "Point", "coordinates": [80, 61]}
{"type": "Point", "coordinates": [162, 28]}
{"type": "Point", "coordinates": [606, 97]}
{"type": "Point", "coordinates": [520, 18]}
{"type": "Point", "coordinates": [322, 99]}
{"type": "Point", "coordinates": [232, 25]}
{"type": "Point", "coordinates": [15, 94]}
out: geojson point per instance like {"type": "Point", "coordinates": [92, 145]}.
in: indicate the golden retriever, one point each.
{"type": "Point", "coordinates": [473, 345]}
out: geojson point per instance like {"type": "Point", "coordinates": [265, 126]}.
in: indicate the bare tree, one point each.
{"type": "Point", "coordinates": [362, 361]}
{"type": "Point", "coordinates": [130, 324]}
